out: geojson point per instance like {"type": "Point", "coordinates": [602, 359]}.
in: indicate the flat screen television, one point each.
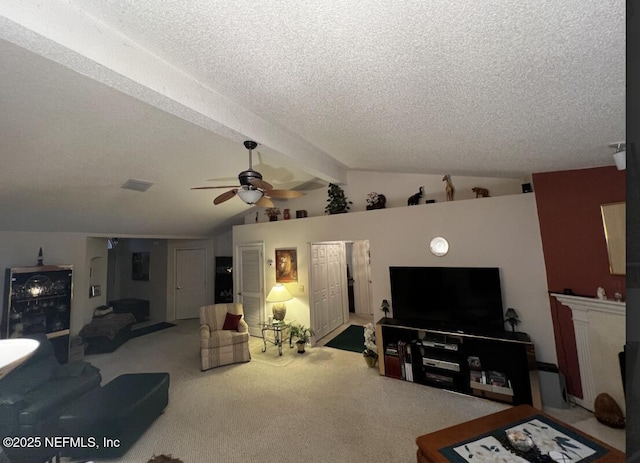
{"type": "Point", "coordinates": [467, 299]}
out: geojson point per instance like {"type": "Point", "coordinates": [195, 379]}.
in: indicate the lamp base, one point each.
{"type": "Point", "coordinates": [279, 311]}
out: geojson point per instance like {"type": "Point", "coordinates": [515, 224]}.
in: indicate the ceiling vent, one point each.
{"type": "Point", "coordinates": [136, 185]}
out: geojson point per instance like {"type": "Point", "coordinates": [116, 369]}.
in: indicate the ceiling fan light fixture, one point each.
{"type": "Point", "coordinates": [250, 196]}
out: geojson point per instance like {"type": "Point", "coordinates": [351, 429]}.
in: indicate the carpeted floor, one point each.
{"type": "Point", "coordinates": [150, 329]}
{"type": "Point", "coordinates": [323, 406]}
{"type": "Point", "coordinates": [351, 339]}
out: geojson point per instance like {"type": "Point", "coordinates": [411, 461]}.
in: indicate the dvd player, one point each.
{"type": "Point", "coordinates": [443, 364]}
{"type": "Point", "coordinates": [439, 345]}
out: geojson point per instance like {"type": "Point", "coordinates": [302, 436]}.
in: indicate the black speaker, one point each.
{"type": "Point", "coordinates": [526, 188]}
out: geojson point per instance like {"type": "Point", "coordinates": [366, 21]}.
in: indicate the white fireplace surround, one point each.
{"type": "Point", "coordinates": [600, 335]}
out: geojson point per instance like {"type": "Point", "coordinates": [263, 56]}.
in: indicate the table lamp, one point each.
{"type": "Point", "coordinates": [512, 318]}
{"type": "Point", "coordinates": [278, 296]}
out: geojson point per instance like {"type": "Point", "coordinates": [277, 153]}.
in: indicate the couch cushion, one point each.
{"type": "Point", "coordinates": [55, 396]}
{"type": "Point", "coordinates": [231, 321]}
{"type": "Point", "coordinates": [36, 370]}
{"type": "Point", "coordinates": [223, 338]}
{"type": "Point", "coordinates": [214, 315]}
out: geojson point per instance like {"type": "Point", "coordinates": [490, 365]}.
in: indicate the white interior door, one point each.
{"type": "Point", "coordinates": [328, 287]}
{"type": "Point", "coordinates": [191, 282]}
{"type": "Point", "coordinates": [319, 291]}
{"type": "Point", "coordinates": [335, 270]}
{"type": "Point", "coordinates": [362, 278]}
{"type": "Point", "coordinates": [250, 285]}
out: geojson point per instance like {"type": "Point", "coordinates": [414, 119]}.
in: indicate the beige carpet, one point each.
{"type": "Point", "coordinates": [322, 406]}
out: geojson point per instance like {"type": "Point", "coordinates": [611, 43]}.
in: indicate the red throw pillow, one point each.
{"type": "Point", "coordinates": [231, 321]}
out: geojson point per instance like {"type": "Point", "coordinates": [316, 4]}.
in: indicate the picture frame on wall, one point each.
{"type": "Point", "coordinates": [286, 265]}
{"type": "Point", "coordinates": [140, 266]}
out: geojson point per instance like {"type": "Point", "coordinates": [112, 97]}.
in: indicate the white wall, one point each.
{"type": "Point", "coordinates": [155, 289]}
{"type": "Point", "coordinates": [396, 187]}
{"type": "Point", "coordinates": [223, 244]}
{"type": "Point", "coordinates": [499, 232]}
{"type": "Point", "coordinates": [97, 262]}
{"type": "Point", "coordinates": [20, 249]}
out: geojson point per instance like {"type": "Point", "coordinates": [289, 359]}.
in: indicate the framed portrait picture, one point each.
{"type": "Point", "coordinates": [286, 266]}
{"type": "Point", "coordinates": [140, 266]}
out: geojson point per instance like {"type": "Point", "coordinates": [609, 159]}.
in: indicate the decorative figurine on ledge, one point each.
{"type": "Point", "coordinates": [376, 201]}
{"type": "Point", "coordinates": [449, 189]}
{"type": "Point", "coordinates": [40, 259]}
{"type": "Point", "coordinates": [480, 192]}
{"type": "Point", "coordinates": [385, 307]}
{"type": "Point", "coordinates": [512, 317]}
{"type": "Point", "coordinates": [272, 213]}
{"type": "Point", "coordinates": [414, 200]}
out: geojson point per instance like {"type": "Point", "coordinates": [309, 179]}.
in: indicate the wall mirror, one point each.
{"type": "Point", "coordinates": [614, 222]}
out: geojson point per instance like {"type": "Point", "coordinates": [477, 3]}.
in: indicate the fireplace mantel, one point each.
{"type": "Point", "coordinates": [589, 303]}
{"type": "Point", "coordinates": [600, 334]}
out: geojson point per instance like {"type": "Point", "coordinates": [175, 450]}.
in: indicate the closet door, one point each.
{"type": "Point", "coordinates": [328, 287]}
{"type": "Point", "coordinates": [250, 285]}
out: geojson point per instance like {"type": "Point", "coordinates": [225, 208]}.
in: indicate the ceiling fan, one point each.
{"type": "Point", "coordinates": [252, 189]}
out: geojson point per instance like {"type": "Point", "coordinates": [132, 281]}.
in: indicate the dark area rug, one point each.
{"type": "Point", "coordinates": [351, 339]}
{"type": "Point", "coordinates": [150, 329]}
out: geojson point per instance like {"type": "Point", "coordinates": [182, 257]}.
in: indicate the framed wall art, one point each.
{"type": "Point", "coordinates": [140, 266]}
{"type": "Point", "coordinates": [614, 222]}
{"type": "Point", "coordinates": [286, 266]}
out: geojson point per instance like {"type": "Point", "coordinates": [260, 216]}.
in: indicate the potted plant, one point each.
{"type": "Point", "coordinates": [338, 202]}
{"type": "Point", "coordinates": [272, 213]}
{"type": "Point", "coordinates": [370, 353]}
{"type": "Point", "coordinates": [303, 334]}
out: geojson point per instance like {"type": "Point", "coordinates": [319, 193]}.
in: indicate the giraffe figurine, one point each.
{"type": "Point", "coordinates": [449, 188]}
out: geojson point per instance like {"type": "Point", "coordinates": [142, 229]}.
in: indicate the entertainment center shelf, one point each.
{"type": "Point", "coordinates": [500, 366]}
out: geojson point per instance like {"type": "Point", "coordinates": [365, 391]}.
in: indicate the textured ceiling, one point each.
{"type": "Point", "coordinates": [483, 88]}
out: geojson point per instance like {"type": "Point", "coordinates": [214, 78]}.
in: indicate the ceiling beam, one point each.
{"type": "Point", "coordinates": [66, 35]}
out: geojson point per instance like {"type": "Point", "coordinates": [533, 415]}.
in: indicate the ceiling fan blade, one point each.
{"type": "Point", "coordinates": [265, 202]}
{"type": "Point", "coordinates": [213, 187]}
{"type": "Point", "coordinates": [261, 184]}
{"type": "Point", "coordinates": [225, 196]}
{"type": "Point", "coordinates": [222, 179]}
{"type": "Point", "coordinates": [285, 194]}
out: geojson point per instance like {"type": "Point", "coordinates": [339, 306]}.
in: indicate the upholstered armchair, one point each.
{"type": "Point", "coordinates": [224, 335]}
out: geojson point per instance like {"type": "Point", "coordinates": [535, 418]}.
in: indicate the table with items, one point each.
{"type": "Point", "coordinates": [278, 327]}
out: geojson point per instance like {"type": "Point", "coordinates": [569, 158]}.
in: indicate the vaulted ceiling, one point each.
{"type": "Point", "coordinates": [95, 92]}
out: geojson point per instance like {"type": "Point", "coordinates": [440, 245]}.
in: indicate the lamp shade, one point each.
{"type": "Point", "coordinates": [279, 294]}
{"type": "Point", "coordinates": [620, 158]}
{"type": "Point", "coordinates": [250, 196]}
{"type": "Point", "coordinates": [511, 314]}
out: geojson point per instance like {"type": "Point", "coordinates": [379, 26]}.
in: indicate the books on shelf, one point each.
{"type": "Point", "coordinates": [399, 354]}
{"type": "Point", "coordinates": [490, 380]}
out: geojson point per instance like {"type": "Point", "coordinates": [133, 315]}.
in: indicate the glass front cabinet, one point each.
{"type": "Point", "coordinates": [38, 300]}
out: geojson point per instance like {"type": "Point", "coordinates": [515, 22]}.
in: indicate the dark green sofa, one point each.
{"type": "Point", "coordinates": [33, 396]}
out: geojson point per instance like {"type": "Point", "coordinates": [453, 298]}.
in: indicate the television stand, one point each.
{"type": "Point", "coordinates": [497, 366]}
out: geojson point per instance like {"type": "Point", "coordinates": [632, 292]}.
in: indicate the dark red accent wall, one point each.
{"type": "Point", "coordinates": [575, 248]}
